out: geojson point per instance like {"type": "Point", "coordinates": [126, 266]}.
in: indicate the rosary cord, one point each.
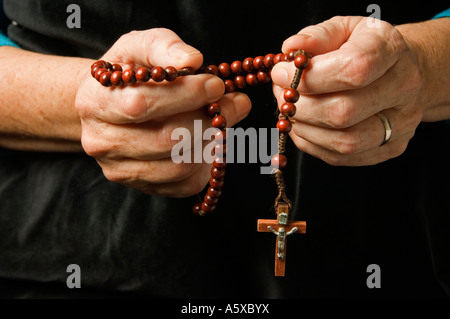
{"type": "Point", "coordinates": [279, 178]}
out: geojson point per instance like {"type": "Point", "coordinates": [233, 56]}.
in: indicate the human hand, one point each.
{"type": "Point", "coordinates": [356, 72]}
{"type": "Point", "coordinates": [128, 129]}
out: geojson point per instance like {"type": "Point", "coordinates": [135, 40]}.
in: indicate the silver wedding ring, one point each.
{"type": "Point", "coordinates": [387, 127]}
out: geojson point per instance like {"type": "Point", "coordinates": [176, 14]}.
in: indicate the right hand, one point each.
{"type": "Point", "coordinates": [128, 129]}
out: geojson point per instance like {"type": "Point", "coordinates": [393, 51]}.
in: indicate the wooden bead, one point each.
{"type": "Point", "coordinates": [216, 183]}
{"type": "Point", "coordinates": [251, 79]}
{"type": "Point", "coordinates": [142, 74]}
{"type": "Point", "coordinates": [268, 61]}
{"type": "Point", "coordinates": [116, 67]}
{"type": "Point", "coordinates": [258, 63]}
{"type": "Point", "coordinates": [279, 161]}
{"type": "Point", "coordinates": [288, 109]}
{"type": "Point", "coordinates": [104, 79]}
{"type": "Point", "coordinates": [263, 76]}
{"type": "Point", "coordinates": [219, 122]}
{"type": "Point", "coordinates": [236, 67]}
{"type": "Point", "coordinates": [220, 150]}
{"type": "Point", "coordinates": [219, 163]}
{"type": "Point", "coordinates": [116, 78]}
{"type": "Point", "coordinates": [197, 209]}
{"type": "Point", "coordinates": [171, 73]}
{"type": "Point", "coordinates": [94, 69]}
{"type": "Point", "coordinates": [208, 208]}
{"type": "Point", "coordinates": [217, 172]}
{"type": "Point", "coordinates": [99, 72]}
{"type": "Point", "coordinates": [301, 61]}
{"type": "Point", "coordinates": [278, 58]}
{"type": "Point", "coordinates": [213, 110]}
{"type": "Point", "coordinates": [158, 74]}
{"type": "Point", "coordinates": [212, 69]}
{"type": "Point", "coordinates": [284, 126]}
{"type": "Point", "coordinates": [239, 82]}
{"type": "Point", "coordinates": [290, 55]}
{"type": "Point", "coordinates": [247, 65]}
{"type": "Point", "coordinates": [291, 95]}
{"type": "Point", "coordinates": [128, 77]}
{"type": "Point", "coordinates": [185, 71]}
{"type": "Point", "coordinates": [229, 86]}
{"type": "Point", "coordinates": [224, 70]}
{"type": "Point", "coordinates": [99, 63]}
{"type": "Point", "coordinates": [220, 137]}
{"type": "Point", "coordinates": [212, 201]}
{"type": "Point", "coordinates": [214, 192]}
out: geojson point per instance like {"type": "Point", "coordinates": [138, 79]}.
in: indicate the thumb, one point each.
{"type": "Point", "coordinates": [320, 38]}
{"type": "Point", "coordinates": [154, 47]}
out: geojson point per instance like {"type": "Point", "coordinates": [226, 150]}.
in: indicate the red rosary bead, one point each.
{"type": "Point", "coordinates": [240, 82]}
{"type": "Point", "coordinates": [224, 70]}
{"type": "Point", "coordinates": [128, 77]}
{"type": "Point", "coordinates": [301, 61]}
{"type": "Point", "coordinates": [236, 67]}
{"type": "Point", "coordinates": [213, 110]}
{"type": "Point", "coordinates": [214, 192]}
{"type": "Point", "coordinates": [263, 77]}
{"type": "Point", "coordinates": [279, 161]}
{"type": "Point", "coordinates": [212, 69]}
{"type": "Point", "coordinates": [104, 78]}
{"type": "Point", "coordinates": [268, 60]}
{"type": "Point", "coordinates": [116, 67]}
{"type": "Point", "coordinates": [230, 87]}
{"type": "Point", "coordinates": [278, 58]}
{"type": "Point", "coordinates": [258, 63]}
{"type": "Point", "coordinates": [99, 72]}
{"type": "Point", "coordinates": [219, 122]}
{"type": "Point", "coordinates": [291, 95]}
{"type": "Point", "coordinates": [247, 65]}
{"type": "Point", "coordinates": [284, 126]}
{"type": "Point", "coordinates": [142, 75]}
{"type": "Point", "coordinates": [116, 78]}
{"type": "Point", "coordinates": [217, 172]}
{"type": "Point", "coordinates": [288, 109]}
{"type": "Point", "coordinates": [220, 137]}
{"type": "Point", "coordinates": [251, 79]}
{"type": "Point", "coordinates": [158, 74]}
{"type": "Point", "coordinates": [171, 73]}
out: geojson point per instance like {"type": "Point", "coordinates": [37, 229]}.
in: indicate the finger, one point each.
{"type": "Point", "coordinates": [359, 138]}
{"type": "Point", "coordinates": [347, 108]}
{"type": "Point", "coordinates": [370, 157]}
{"type": "Point", "coordinates": [350, 55]}
{"type": "Point", "coordinates": [153, 140]}
{"type": "Point", "coordinates": [154, 47]}
{"type": "Point", "coordinates": [144, 102]}
{"type": "Point", "coordinates": [178, 180]}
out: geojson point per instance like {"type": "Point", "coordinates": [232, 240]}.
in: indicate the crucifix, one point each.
{"type": "Point", "coordinates": [281, 227]}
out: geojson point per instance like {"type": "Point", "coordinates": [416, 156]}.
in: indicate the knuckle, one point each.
{"type": "Point", "coordinates": [358, 70]}
{"type": "Point", "coordinates": [93, 146]}
{"type": "Point", "coordinates": [348, 143]}
{"type": "Point", "coordinates": [133, 106]}
{"type": "Point", "coordinates": [340, 114]}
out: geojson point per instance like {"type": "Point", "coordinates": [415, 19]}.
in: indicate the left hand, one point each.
{"type": "Point", "coordinates": [357, 71]}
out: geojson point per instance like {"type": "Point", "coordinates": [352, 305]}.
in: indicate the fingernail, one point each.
{"type": "Point", "coordinates": [214, 89]}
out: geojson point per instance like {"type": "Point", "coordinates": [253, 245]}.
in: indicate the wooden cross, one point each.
{"type": "Point", "coordinates": [281, 227]}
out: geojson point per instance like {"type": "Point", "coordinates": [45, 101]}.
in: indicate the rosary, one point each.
{"type": "Point", "coordinates": [237, 75]}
